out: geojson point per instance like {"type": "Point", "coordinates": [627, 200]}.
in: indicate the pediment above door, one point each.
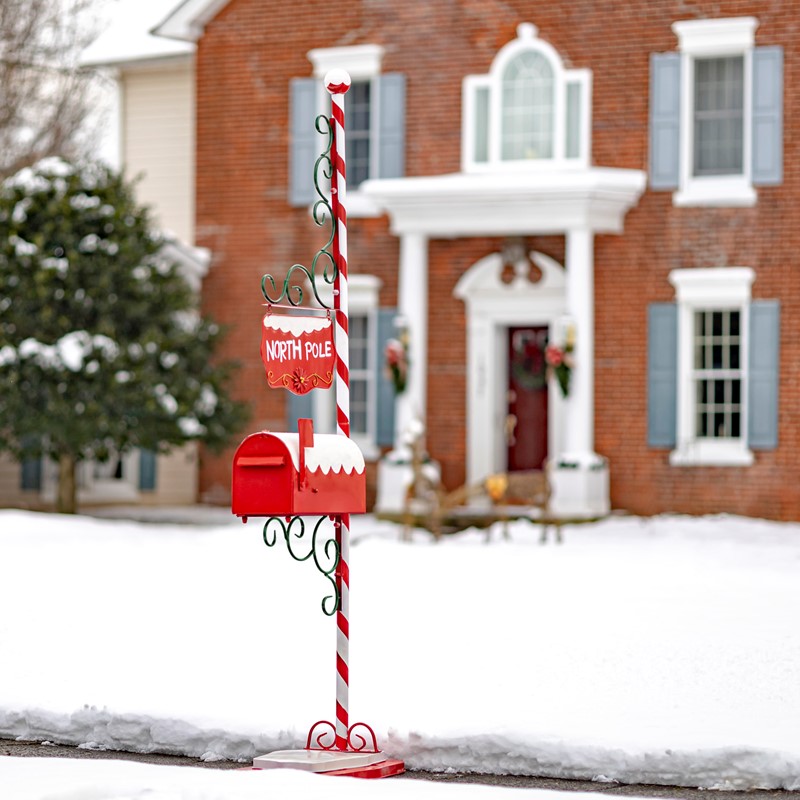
{"type": "Point", "coordinates": [496, 279]}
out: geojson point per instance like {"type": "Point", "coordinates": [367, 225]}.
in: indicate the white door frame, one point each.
{"type": "Point", "coordinates": [492, 307]}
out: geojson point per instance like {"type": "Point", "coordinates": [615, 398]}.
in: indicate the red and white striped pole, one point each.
{"type": "Point", "coordinates": [337, 82]}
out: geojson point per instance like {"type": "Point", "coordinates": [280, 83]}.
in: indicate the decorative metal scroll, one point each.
{"type": "Point", "coordinates": [357, 742]}
{"type": "Point", "coordinates": [292, 289]}
{"type": "Point", "coordinates": [303, 549]}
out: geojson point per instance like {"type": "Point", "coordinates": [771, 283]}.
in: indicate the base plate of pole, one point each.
{"type": "Point", "coordinates": [318, 760]}
{"type": "Point", "coordinates": [384, 769]}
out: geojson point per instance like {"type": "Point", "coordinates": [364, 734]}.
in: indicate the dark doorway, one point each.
{"type": "Point", "coordinates": [526, 421]}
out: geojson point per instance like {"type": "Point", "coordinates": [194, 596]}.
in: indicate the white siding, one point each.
{"type": "Point", "coordinates": [158, 141]}
{"type": "Point", "coordinates": [176, 479]}
{"type": "Point", "coordinates": [10, 492]}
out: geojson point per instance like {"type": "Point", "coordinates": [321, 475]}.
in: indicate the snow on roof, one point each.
{"type": "Point", "coordinates": [331, 451]}
{"type": "Point", "coordinates": [295, 325]}
{"type": "Point", "coordinates": [129, 37]}
{"type": "Point", "coordinates": [188, 19]}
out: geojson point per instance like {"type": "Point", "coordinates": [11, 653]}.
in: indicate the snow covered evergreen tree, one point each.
{"type": "Point", "coordinates": [101, 346]}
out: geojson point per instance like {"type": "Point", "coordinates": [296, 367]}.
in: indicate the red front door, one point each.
{"type": "Point", "coordinates": [526, 423]}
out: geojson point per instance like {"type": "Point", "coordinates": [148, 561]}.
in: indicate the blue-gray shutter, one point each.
{"type": "Point", "coordinates": [147, 470]}
{"type": "Point", "coordinates": [665, 113]}
{"type": "Point", "coordinates": [391, 125]}
{"type": "Point", "coordinates": [298, 406]}
{"type": "Point", "coordinates": [767, 116]}
{"type": "Point", "coordinates": [305, 144]}
{"type": "Point", "coordinates": [763, 373]}
{"type": "Point", "coordinates": [384, 433]}
{"type": "Point", "coordinates": [662, 374]}
{"type": "Point", "coordinates": [31, 474]}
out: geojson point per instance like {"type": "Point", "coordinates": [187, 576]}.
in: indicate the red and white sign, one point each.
{"type": "Point", "coordinates": [298, 352]}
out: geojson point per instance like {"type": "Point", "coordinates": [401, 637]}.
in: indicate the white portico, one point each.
{"type": "Point", "coordinates": [577, 204]}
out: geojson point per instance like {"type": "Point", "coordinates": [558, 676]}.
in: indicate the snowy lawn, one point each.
{"type": "Point", "coordinates": [655, 651]}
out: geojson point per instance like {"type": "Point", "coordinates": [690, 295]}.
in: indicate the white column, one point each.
{"type": "Point", "coordinates": [481, 422]}
{"type": "Point", "coordinates": [412, 306]}
{"type": "Point", "coordinates": [580, 477]}
{"type": "Point", "coordinates": [579, 429]}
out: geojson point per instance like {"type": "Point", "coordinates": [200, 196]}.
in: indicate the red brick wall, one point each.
{"type": "Point", "coordinates": [245, 61]}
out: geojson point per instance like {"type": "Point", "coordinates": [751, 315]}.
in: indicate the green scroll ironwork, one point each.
{"type": "Point", "coordinates": [292, 289]}
{"type": "Point", "coordinates": [303, 549]}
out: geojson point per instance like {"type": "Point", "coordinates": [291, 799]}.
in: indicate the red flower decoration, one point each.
{"type": "Point", "coordinates": [301, 383]}
{"type": "Point", "coordinates": [554, 355]}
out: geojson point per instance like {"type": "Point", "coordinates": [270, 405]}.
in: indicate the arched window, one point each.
{"type": "Point", "coordinates": [528, 111]}
{"type": "Point", "coordinates": [528, 102]}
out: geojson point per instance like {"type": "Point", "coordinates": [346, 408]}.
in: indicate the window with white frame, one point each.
{"type": "Point", "coordinates": [360, 373]}
{"type": "Point", "coordinates": [358, 141]}
{"type": "Point", "coordinates": [716, 111]}
{"type": "Point", "coordinates": [528, 111]}
{"type": "Point", "coordinates": [374, 123]}
{"type": "Point", "coordinates": [712, 357]}
{"type": "Point", "coordinates": [363, 357]}
{"type": "Point", "coordinates": [114, 480]}
{"type": "Point", "coordinates": [717, 373]}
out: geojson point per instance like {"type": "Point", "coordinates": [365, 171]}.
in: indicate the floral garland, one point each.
{"type": "Point", "coordinates": [560, 362]}
{"type": "Point", "coordinates": [528, 366]}
{"type": "Point", "coordinates": [396, 356]}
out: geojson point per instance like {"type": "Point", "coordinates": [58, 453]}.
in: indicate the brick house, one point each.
{"type": "Point", "coordinates": [613, 177]}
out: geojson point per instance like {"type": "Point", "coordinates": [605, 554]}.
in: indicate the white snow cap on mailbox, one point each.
{"type": "Point", "coordinates": [330, 452]}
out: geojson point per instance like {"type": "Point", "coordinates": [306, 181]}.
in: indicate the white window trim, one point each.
{"type": "Point", "coordinates": [363, 291]}
{"type": "Point", "coordinates": [717, 288]}
{"type": "Point", "coordinates": [363, 63]}
{"type": "Point", "coordinates": [712, 38]}
{"type": "Point", "coordinates": [527, 40]}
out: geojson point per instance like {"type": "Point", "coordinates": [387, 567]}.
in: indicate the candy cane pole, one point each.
{"type": "Point", "coordinates": [337, 82]}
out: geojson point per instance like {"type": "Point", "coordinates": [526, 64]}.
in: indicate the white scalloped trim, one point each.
{"type": "Point", "coordinates": [295, 325]}
{"type": "Point", "coordinates": [331, 452]}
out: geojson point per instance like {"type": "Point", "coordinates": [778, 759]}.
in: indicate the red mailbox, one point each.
{"type": "Point", "coordinates": [283, 474]}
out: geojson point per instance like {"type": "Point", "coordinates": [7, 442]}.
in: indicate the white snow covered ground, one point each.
{"type": "Point", "coordinates": [662, 650]}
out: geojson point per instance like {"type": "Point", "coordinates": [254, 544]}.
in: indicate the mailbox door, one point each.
{"type": "Point", "coordinates": [262, 479]}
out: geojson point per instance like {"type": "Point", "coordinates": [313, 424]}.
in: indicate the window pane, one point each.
{"type": "Point", "coordinates": [358, 405]}
{"type": "Point", "coordinates": [718, 116]}
{"type": "Point", "coordinates": [481, 125]}
{"type": "Point", "coordinates": [734, 355]}
{"type": "Point", "coordinates": [573, 120]}
{"type": "Point", "coordinates": [358, 116]}
{"type": "Point", "coordinates": [528, 99]}
{"type": "Point", "coordinates": [702, 408]}
{"type": "Point", "coordinates": [358, 343]}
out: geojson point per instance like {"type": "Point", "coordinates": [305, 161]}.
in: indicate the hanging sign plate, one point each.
{"type": "Point", "coordinates": [298, 352]}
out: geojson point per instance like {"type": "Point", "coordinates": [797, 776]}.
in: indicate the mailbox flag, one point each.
{"type": "Point", "coordinates": [298, 352]}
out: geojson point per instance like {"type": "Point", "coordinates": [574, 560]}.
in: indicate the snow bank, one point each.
{"type": "Point", "coordinates": [662, 651]}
